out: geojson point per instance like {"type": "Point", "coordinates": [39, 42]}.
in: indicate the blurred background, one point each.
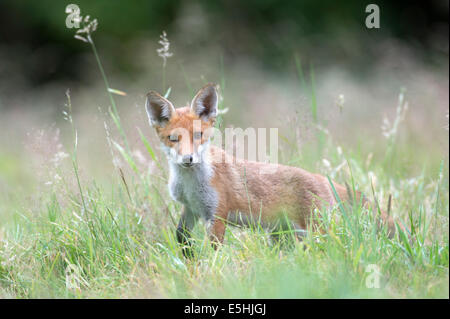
{"type": "Point", "coordinates": [274, 61]}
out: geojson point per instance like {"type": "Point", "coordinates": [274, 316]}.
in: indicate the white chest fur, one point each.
{"type": "Point", "coordinates": [192, 187]}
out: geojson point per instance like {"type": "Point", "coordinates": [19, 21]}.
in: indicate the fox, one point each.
{"type": "Point", "coordinates": [222, 190]}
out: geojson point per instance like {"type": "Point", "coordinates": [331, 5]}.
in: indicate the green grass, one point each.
{"type": "Point", "coordinates": [118, 241]}
{"type": "Point", "coordinates": [124, 246]}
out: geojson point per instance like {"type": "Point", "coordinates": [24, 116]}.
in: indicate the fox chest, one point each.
{"type": "Point", "coordinates": [192, 188]}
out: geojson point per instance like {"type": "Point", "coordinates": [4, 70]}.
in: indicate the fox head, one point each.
{"type": "Point", "coordinates": [184, 132]}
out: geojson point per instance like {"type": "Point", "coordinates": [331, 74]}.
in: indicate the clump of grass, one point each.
{"type": "Point", "coordinates": [390, 130]}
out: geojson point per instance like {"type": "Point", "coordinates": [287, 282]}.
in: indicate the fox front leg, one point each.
{"type": "Point", "coordinates": [216, 230]}
{"type": "Point", "coordinates": [184, 229]}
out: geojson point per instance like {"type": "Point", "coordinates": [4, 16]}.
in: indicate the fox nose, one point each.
{"type": "Point", "coordinates": [187, 159]}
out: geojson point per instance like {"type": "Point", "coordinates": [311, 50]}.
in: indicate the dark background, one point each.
{"type": "Point", "coordinates": [35, 43]}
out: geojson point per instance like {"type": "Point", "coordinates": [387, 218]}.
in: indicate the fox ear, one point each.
{"type": "Point", "coordinates": [159, 109]}
{"type": "Point", "coordinates": [205, 102]}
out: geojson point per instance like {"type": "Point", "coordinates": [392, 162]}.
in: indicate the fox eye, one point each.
{"type": "Point", "coordinates": [198, 135]}
{"type": "Point", "coordinates": [173, 138]}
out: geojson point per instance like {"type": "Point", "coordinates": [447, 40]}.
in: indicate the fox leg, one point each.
{"type": "Point", "coordinates": [185, 226]}
{"type": "Point", "coordinates": [216, 229]}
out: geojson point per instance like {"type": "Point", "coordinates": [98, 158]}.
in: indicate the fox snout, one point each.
{"type": "Point", "coordinates": [183, 151]}
{"type": "Point", "coordinates": [176, 155]}
{"type": "Point", "coordinates": [187, 159]}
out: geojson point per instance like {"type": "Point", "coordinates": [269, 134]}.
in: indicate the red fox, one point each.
{"type": "Point", "coordinates": [220, 188]}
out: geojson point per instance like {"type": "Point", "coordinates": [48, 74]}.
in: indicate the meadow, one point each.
{"type": "Point", "coordinates": [85, 210]}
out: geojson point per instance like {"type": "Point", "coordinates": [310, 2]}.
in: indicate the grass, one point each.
{"type": "Point", "coordinates": [118, 241]}
{"type": "Point", "coordinates": [123, 245]}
